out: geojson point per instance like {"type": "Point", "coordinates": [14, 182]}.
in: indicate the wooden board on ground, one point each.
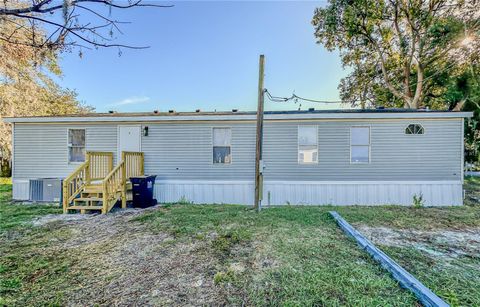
{"type": "Point", "coordinates": [406, 280]}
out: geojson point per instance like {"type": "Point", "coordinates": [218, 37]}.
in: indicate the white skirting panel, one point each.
{"type": "Point", "coordinates": [204, 192]}
{"type": "Point", "coordinates": [21, 189]}
{"type": "Point", "coordinates": [371, 193]}
{"type": "Point", "coordinates": [440, 193]}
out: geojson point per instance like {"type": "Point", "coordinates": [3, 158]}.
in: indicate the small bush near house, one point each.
{"type": "Point", "coordinates": [418, 201]}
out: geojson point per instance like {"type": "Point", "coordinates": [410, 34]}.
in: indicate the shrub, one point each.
{"type": "Point", "coordinates": [418, 201]}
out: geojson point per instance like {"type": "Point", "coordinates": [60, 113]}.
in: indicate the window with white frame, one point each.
{"type": "Point", "coordinates": [76, 145]}
{"type": "Point", "coordinates": [307, 144]}
{"type": "Point", "coordinates": [360, 144]}
{"type": "Point", "coordinates": [414, 129]}
{"type": "Point", "coordinates": [222, 151]}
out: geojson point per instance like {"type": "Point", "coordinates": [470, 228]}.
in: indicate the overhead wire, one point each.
{"type": "Point", "coordinates": [296, 98]}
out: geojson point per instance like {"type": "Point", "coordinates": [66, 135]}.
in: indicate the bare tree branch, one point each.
{"type": "Point", "coordinates": [39, 8]}
{"type": "Point", "coordinates": [95, 35]}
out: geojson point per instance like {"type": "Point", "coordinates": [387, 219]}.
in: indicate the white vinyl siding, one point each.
{"type": "Point", "coordinates": [183, 151]}
{"type": "Point", "coordinates": [41, 150]}
{"type": "Point", "coordinates": [394, 156]}
{"type": "Point", "coordinates": [360, 144]}
{"type": "Point", "coordinates": [307, 144]}
{"type": "Point", "coordinates": [180, 154]}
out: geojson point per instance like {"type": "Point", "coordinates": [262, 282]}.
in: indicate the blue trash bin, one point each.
{"type": "Point", "coordinates": [142, 190]}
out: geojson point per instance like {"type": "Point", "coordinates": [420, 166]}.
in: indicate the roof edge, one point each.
{"type": "Point", "coordinates": [241, 117]}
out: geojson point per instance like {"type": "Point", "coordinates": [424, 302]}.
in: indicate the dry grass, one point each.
{"type": "Point", "coordinates": [227, 255]}
{"type": "Point", "coordinates": [107, 260]}
{"type": "Point", "coordinates": [191, 255]}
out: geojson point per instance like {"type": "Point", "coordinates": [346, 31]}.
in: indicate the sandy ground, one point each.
{"type": "Point", "coordinates": [442, 243]}
{"type": "Point", "coordinates": [122, 263]}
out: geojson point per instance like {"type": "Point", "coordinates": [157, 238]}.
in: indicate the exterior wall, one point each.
{"type": "Point", "coordinates": [184, 152]}
{"type": "Point", "coordinates": [41, 151]}
{"type": "Point", "coordinates": [180, 154]}
{"type": "Point", "coordinates": [394, 156]}
{"type": "Point", "coordinates": [181, 151]}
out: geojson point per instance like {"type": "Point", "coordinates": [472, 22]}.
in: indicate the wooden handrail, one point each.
{"type": "Point", "coordinates": [134, 163]}
{"type": "Point", "coordinates": [114, 183]}
{"type": "Point", "coordinates": [101, 163]}
{"type": "Point", "coordinates": [74, 183]}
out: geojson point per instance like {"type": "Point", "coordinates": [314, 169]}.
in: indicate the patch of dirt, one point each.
{"type": "Point", "coordinates": [121, 262]}
{"type": "Point", "coordinates": [443, 243]}
{"type": "Point", "coordinates": [52, 218]}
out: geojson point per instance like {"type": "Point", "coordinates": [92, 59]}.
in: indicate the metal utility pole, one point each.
{"type": "Point", "coordinates": [258, 148]}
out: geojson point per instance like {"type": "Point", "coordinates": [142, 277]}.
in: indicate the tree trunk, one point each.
{"type": "Point", "coordinates": [5, 168]}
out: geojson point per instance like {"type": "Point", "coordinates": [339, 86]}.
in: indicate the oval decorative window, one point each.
{"type": "Point", "coordinates": [414, 129]}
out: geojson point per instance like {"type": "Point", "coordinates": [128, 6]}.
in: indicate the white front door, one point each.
{"type": "Point", "coordinates": [128, 139]}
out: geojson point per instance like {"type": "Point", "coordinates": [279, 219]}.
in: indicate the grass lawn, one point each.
{"type": "Point", "coordinates": [472, 190]}
{"type": "Point", "coordinates": [15, 216]}
{"type": "Point", "coordinates": [206, 254]}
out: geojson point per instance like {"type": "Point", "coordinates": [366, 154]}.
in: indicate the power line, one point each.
{"type": "Point", "coordinates": [450, 66]}
{"type": "Point", "coordinates": [295, 97]}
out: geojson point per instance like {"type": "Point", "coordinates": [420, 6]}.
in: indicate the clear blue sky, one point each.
{"type": "Point", "coordinates": [205, 55]}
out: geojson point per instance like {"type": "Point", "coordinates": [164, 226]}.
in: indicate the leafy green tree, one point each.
{"type": "Point", "coordinates": [402, 53]}
{"type": "Point", "coordinates": [467, 88]}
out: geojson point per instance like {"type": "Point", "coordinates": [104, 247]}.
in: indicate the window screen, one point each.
{"type": "Point", "coordinates": [76, 145]}
{"type": "Point", "coordinates": [222, 153]}
{"type": "Point", "coordinates": [360, 144]}
{"type": "Point", "coordinates": [307, 144]}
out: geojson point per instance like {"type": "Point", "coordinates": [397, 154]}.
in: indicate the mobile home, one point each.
{"type": "Point", "coordinates": [346, 157]}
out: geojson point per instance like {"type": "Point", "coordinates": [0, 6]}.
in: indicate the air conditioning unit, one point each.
{"type": "Point", "coordinates": [46, 190]}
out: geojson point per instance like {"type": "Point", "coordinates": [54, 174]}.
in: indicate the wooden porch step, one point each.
{"type": "Point", "coordinates": [88, 199]}
{"type": "Point", "coordinates": [90, 195]}
{"type": "Point", "coordinates": [97, 188]}
{"type": "Point", "coordinates": [85, 207]}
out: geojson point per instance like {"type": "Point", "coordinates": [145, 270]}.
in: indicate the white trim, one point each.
{"type": "Point", "coordinates": [240, 117]}
{"type": "Point", "coordinates": [119, 153]}
{"type": "Point", "coordinates": [13, 152]}
{"type": "Point", "coordinates": [203, 181]}
{"type": "Point", "coordinates": [304, 182]}
{"type": "Point", "coordinates": [298, 146]}
{"type": "Point", "coordinates": [366, 182]}
{"type": "Point", "coordinates": [369, 143]}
